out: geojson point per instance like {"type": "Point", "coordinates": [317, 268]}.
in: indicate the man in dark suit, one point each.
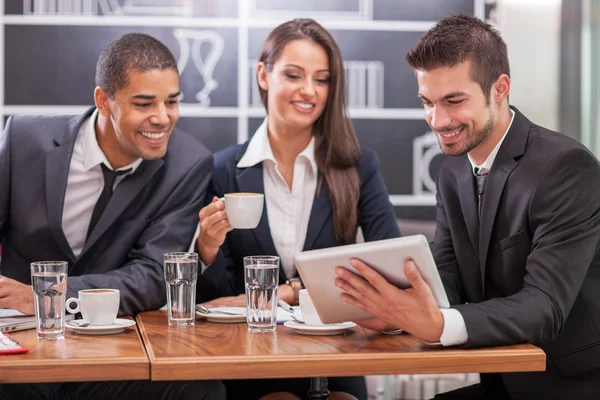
{"type": "Point", "coordinates": [518, 227]}
{"type": "Point", "coordinates": [55, 172]}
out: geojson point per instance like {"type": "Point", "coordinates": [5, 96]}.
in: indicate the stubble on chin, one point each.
{"type": "Point", "coordinates": [472, 141]}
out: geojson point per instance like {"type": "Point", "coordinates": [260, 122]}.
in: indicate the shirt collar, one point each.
{"type": "Point", "coordinates": [259, 150]}
{"type": "Point", "coordinates": [487, 164]}
{"type": "Point", "coordinates": [309, 154]}
{"type": "Point", "coordinates": [92, 153]}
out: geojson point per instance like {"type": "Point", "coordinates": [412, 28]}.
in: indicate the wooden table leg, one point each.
{"type": "Point", "coordinates": [318, 389]}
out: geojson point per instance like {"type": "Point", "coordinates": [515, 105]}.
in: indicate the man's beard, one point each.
{"type": "Point", "coordinates": [471, 140]}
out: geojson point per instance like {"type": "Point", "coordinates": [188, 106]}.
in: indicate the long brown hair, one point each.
{"type": "Point", "coordinates": [336, 147]}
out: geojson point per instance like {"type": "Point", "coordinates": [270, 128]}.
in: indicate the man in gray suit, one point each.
{"type": "Point", "coordinates": [517, 241]}
{"type": "Point", "coordinates": [109, 191]}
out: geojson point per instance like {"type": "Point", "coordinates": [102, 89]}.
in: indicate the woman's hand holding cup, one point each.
{"type": "Point", "coordinates": [235, 210]}
{"type": "Point", "coordinates": [214, 227]}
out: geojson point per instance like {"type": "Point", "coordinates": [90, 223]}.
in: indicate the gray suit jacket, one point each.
{"type": "Point", "coordinates": [152, 211]}
{"type": "Point", "coordinates": [530, 270]}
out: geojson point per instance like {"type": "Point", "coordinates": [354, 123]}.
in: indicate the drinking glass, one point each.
{"type": "Point", "coordinates": [261, 276]}
{"type": "Point", "coordinates": [49, 284]}
{"type": "Point", "coordinates": [181, 273]}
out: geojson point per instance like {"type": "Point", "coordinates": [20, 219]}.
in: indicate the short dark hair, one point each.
{"type": "Point", "coordinates": [132, 51]}
{"type": "Point", "coordinates": [459, 38]}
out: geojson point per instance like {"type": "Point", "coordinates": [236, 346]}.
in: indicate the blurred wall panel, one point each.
{"type": "Point", "coordinates": [50, 48]}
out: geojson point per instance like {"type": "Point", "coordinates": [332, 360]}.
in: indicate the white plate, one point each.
{"type": "Point", "coordinates": [231, 319]}
{"type": "Point", "coordinates": [330, 329]}
{"type": "Point", "coordinates": [118, 327]}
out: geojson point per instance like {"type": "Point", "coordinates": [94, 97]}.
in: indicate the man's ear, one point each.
{"type": "Point", "coordinates": [500, 89]}
{"type": "Point", "coordinates": [261, 75]}
{"type": "Point", "coordinates": [101, 99]}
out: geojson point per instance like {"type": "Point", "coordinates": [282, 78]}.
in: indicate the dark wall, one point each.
{"type": "Point", "coordinates": [50, 56]}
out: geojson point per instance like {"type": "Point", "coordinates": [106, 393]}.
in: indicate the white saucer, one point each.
{"type": "Point", "coordinates": [118, 327]}
{"type": "Point", "coordinates": [330, 329]}
{"type": "Point", "coordinates": [224, 318]}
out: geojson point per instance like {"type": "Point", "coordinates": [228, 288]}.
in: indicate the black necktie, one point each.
{"type": "Point", "coordinates": [481, 176]}
{"type": "Point", "coordinates": [109, 182]}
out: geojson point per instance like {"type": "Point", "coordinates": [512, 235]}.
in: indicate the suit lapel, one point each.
{"type": "Point", "coordinates": [251, 180]}
{"type": "Point", "coordinates": [468, 202]}
{"type": "Point", "coordinates": [58, 161]}
{"type": "Point", "coordinates": [501, 169]}
{"type": "Point", "coordinates": [123, 195]}
{"type": "Point", "coordinates": [506, 160]}
{"type": "Point", "coordinates": [319, 215]}
{"type": "Point", "coordinates": [57, 172]}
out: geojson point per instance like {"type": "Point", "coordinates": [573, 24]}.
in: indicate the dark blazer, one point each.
{"type": "Point", "coordinates": [152, 211]}
{"type": "Point", "coordinates": [226, 276]}
{"type": "Point", "coordinates": [529, 271]}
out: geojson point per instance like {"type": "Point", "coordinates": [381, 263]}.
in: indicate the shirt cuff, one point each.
{"type": "Point", "coordinates": [203, 266]}
{"type": "Point", "coordinates": [194, 249]}
{"type": "Point", "coordinates": [455, 330]}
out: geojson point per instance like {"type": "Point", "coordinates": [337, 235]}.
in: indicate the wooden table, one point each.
{"type": "Point", "coordinates": [76, 358]}
{"type": "Point", "coordinates": [229, 351]}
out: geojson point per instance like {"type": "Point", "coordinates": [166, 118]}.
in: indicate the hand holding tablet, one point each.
{"type": "Point", "coordinates": [413, 310]}
{"type": "Point", "coordinates": [386, 257]}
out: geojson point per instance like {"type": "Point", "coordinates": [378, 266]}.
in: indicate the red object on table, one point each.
{"type": "Point", "coordinates": [9, 346]}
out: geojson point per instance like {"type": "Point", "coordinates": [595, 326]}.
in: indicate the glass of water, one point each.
{"type": "Point", "coordinates": [261, 276]}
{"type": "Point", "coordinates": [49, 284]}
{"type": "Point", "coordinates": [181, 273]}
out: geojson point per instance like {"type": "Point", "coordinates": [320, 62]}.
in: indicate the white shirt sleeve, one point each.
{"type": "Point", "coordinates": [193, 243]}
{"type": "Point", "coordinates": [455, 330]}
{"type": "Point", "coordinates": [203, 266]}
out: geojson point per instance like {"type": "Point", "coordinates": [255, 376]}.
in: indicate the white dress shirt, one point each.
{"type": "Point", "coordinates": [288, 210]}
{"type": "Point", "coordinates": [85, 183]}
{"type": "Point", "coordinates": [455, 330]}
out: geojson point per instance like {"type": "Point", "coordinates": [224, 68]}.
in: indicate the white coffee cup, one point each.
{"type": "Point", "coordinates": [99, 306]}
{"type": "Point", "coordinates": [244, 209]}
{"type": "Point", "coordinates": [309, 313]}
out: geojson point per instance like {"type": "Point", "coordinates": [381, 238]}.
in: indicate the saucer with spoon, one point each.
{"type": "Point", "coordinates": [230, 315]}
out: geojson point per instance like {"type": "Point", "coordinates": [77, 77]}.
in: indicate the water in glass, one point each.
{"type": "Point", "coordinates": [49, 289]}
{"type": "Point", "coordinates": [261, 297]}
{"type": "Point", "coordinates": [181, 276]}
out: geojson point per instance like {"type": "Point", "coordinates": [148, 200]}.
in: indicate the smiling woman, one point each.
{"type": "Point", "coordinates": [301, 82]}
{"type": "Point", "coordinates": [319, 185]}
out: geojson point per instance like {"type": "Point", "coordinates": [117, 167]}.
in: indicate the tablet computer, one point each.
{"type": "Point", "coordinates": [387, 257]}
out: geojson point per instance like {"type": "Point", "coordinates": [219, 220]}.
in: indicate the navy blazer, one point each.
{"type": "Point", "coordinates": [226, 276]}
